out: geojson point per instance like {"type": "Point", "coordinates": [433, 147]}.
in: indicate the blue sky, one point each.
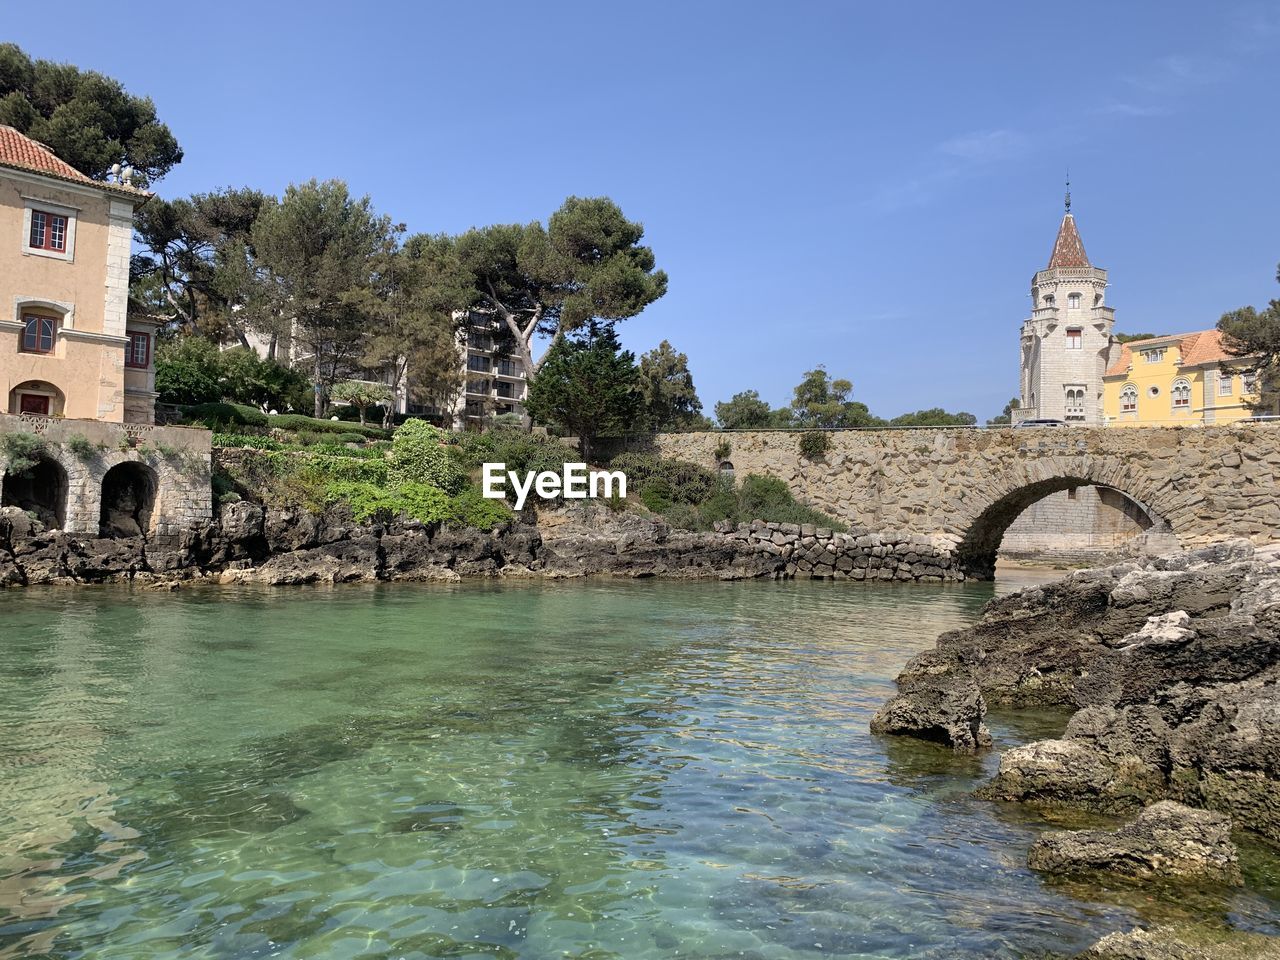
{"type": "Point", "coordinates": [868, 186]}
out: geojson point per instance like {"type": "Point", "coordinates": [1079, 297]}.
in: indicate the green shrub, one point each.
{"type": "Point", "coordinates": [81, 446]}
{"type": "Point", "coordinates": [251, 441]}
{"type": "Point", "coordinates": [678, 481]}
{"type": "Point", "coordinates": [418, 456]}
{"type": "Point", "coordinates": [768, 498]}
{"type": "Point", "coordinates": [519, 450]}
{"type": "Point", "coordinates": [23, 451]}
{"type": "Point", "coordinates": [722, 450]}
{"type": "Point", "coordinates": [297, 423]}
{"type": "Point", "coordinates": [814, 444]}
{"type": "Point", "coordinates": [351, 438]}
{"type": "Point", "coordinates": [656, 495]}
{"type": "Point", "coordinates": [418, 501]}
{"type": "Point", "coordinates": [219, 416]}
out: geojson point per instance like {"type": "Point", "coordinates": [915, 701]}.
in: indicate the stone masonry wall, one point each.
{"type": "Point", "coordinates": [957, 485]}
{"type": "Point", "coordinates": [1084, 522]}
{"type": "Point", "coordinates": [178, 457]}
{"type": "Point", "coordinates": [814, 552]}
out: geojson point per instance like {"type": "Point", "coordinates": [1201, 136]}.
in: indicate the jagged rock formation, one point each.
{"type": "Point", "coordinates": [1166, 839]}
{"type": "Point", "coordinates": [1172, 664]}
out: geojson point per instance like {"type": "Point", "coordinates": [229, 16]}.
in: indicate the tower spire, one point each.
{"type": "Point", "coordinates": [1068, 191]}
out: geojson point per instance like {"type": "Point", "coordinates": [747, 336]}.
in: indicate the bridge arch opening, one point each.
{"type": "Point", "coordinates": [39, 488]}
{"type": "Point", "coordinates": [128, 499]}
{"type": "Point", "coordinates": [1064, 519]}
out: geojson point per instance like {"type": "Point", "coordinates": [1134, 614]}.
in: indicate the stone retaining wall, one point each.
{"type": "Point", "coordinates": [819, 553]}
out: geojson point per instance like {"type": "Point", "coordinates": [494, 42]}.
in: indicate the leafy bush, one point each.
{"type": "Point", "coordinates": [519, 450]}
{"type": "Point", "coordinates": [677, 481]}
{"type": "Point", "coordinates": [81, 446]}
{"type": "Point", "coordinates": [251, 441]}
{"type": "Point", "coordinates": [722, 450]}
{"type": "Point", "coordinates": [219, 416]}
{"type": "Point", "coordinates": [23, 451]}
{"type": "Point", "coordinates": [418, 501]}
{"type": "Point", "coordinates": [768, 498]}
{"type": "Point", "coordinates": [296, 423]}
{"type": "Point", "coordinates": [814, 444]}
{"type": "Point", "coordinates": [418, 456]}
{"type": "Point", "coordinates": [351, 438]}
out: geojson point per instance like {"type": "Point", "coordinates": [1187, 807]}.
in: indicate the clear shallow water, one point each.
{"type": "Point", "coordinates": [589, 770]}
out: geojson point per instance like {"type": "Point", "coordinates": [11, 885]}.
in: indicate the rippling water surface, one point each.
{"type": "Point", "coordinates": [590, 770]}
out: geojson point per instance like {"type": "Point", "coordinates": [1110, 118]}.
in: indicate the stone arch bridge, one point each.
{"type": "Point", "coordinates": [964, 487]}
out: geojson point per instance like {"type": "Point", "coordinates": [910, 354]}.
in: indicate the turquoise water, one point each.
{"type": "Point", "coordinates": [590, 770]}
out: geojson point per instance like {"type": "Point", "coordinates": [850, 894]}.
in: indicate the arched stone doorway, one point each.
{"type": "Point", "coordinates": [128, 500]}
{"type": "Point", "coordinates": [37, 397]}
{"type": "Point", "coordinates": [40, 489]}
{"type": "Point", "coordinates": [978, 549]}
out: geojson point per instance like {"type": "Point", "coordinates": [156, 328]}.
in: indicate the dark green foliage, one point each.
{"type": "Point", "coordinates": [934, 417]}
{"type": "Point", "coordinates": [744, 411]}
{"type": "Point", "coordinates": [1006, 416]}
{"type": "Point", "coordinates": [768, 498]}
{"type": "Point", "coordinates": [23, 451]}
{"type": "Point", "coordinates": [88, 119]}
{"type": "Point", "coordinates": [587, 264]}
{"type": "Point", "coordinates": [191, 369]}
{"type": "Point", "coordinates": [246, 440]}
{"type": "Point", "coordinates": [820, 401]}
{"type": "Point", "coordinates": [219, 416]}
{"type": "Point", "coordinates": [418, 456]}
{"type": "Point", "coordinates": [297, 423]}
{"type": "Point", "coordinates": [81, 446]}
{"type": "Point", "coordinates": [677, 481]}
{"type": "Point", "coordinates": [814, 444]}
{"type": "Point", "coordinates": [722, 450]}
{"type": "Point", "coordinates": [1255, 334]}
{"type": "Point", "coordinates": [519, 450]}
{"type": "Point", "coordinates": [1130, 337]}
{"type": "Point", "coordinates": [587, 385]}
{"type": "Point", "coordinates": [419, 501]}
{"type": "Point", "coordinates": [187, 371]}
{"type": "Point", "coordinates": [667, 392]}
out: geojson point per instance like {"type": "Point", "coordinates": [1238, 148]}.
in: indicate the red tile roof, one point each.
{"type": "Point", "coordinates": [1068, 249]}
{"type": "Point", "coordinates": [1199, 347]}
{"type": "Point", "coordinates": [19, 151]}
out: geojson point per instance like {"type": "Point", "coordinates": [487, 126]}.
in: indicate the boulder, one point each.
{"type": "Point", "coordinates": [938, 701]}
{"type": "Point", "coordinates": [1167, 840]}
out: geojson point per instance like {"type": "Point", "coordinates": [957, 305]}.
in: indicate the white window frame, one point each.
{"type": "Point", "coordinates": [1129, 390]}
{"type": "Point", "coordinates": [1181, 388]}
{"type": "Point", "coordinates": [33, 204]}
{"type": "Point", "coordinates": [1073, 301]}
{"type": "Point", "coordinates": [1226, 385]}
{"type": "Point", "coordinates": [1075, 338]}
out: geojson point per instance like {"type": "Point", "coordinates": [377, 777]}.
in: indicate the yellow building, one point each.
{"type": "Point", "coordinates": [1183, 379]}
{"type": "Point", "coordinates": [67, 345]}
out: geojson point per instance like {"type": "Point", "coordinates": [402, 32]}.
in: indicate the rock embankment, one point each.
{"type": "Point", "coordinates": [1171, 663]}
{"type": "Point", "coordinates": [809, 551]}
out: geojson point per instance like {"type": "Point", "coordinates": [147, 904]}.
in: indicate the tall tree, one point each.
{"type": "Point", "coordinates": [1253, 333]}
{"type": "Point", "coordinates": [1006, 416]}
{"type": "Point", "coordinates": [586, 264]}
{"type": "Point", "coordinates": [667, 391]}
{"type": "Point", "coordinates": [587, 384]}
{"type": "Point", "coordinates": [418, 289]}
{"type": "Point", "coordinates": [87, 119]}
{"type": "Point", "coordinates": [820, 401]}
{"type": "Point", "coordinates": [316, 252]}
{"type": "Point", "coordinates": [743, 411]}
{"type": "Point", "coordinates": [197, 259]}
{"type": "Point", "coordinates": [934, 417]}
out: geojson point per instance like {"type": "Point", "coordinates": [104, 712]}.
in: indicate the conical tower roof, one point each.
{"type": "Point", "coordinates": [1068, 249]}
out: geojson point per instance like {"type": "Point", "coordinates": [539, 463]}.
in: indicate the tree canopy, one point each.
{"type": "Point", "coordinates": [587, 264]}
{"type": "Point", "coordinates": [666, 390]}
{"type": "Point", "coordinates": [587, 384]}
{"type": "Point", "coordinates": [1255, 334]}
{"type": "Point", "coordinates": [820, 401]}
{"type": "Point", "coordinates": [744, 411]}
{"type": "Point", "coordinates": [87, 119]}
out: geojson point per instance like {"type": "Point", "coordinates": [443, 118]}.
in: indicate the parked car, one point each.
{"type": "Point", "coordinates": [1040, 422]}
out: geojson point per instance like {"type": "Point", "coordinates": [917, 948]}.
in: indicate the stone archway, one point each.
{"type": "Point", "coordinates": [977, 549]}
{"type": "Point", "coordinates": [37, 397]}
{"type": "Point", "coordinates": [128, 500]}
{"type": "Point", "coordinates": [40, 489]}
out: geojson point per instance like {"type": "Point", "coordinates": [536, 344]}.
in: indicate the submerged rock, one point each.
{"type": "Point", "coordinates": [1164, 943]}
{"type": "Point", "coordinates": [1167, 839]}
{"type": "Point", "coordinates": [937, 700]}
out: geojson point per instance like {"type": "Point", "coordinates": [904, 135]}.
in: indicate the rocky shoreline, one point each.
{"type": "Point", "coordinates": [1173, 668]}
{"type": "Point", "coordinates": [250, 543]}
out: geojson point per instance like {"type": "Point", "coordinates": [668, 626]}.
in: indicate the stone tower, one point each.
{"type": "Point", "coordinates": [1067, 339]}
